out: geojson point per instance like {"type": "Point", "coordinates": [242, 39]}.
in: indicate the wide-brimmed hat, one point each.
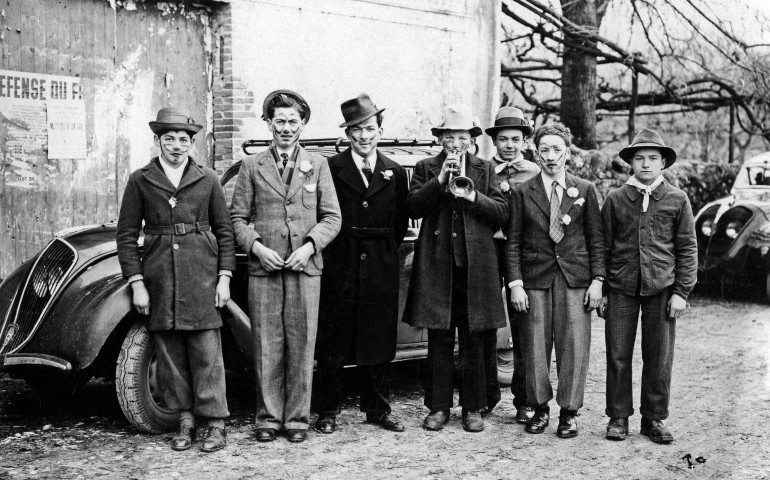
{"type": "Point", "coordinates": [296, 96]}
{"type": "Point", "coordinates": [358, 109]}
{"type": "Point", "coordinates": [454, 120]}
{"type": "Point", "coordinates": [172, 118]}
{"type": "Point", "coordinates": [510, 117]}
{"type": "Point", "coordinates": [648, 139]}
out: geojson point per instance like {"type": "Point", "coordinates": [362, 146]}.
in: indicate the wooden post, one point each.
{"type": "Point", "coordinates": [632, 106]}
{"type": "Point", "coordinates": [731, 141]}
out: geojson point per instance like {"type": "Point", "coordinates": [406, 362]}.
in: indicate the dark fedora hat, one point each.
{"type": "Point", "coordinates": [454, 120]}
{"type": "Point", "coordinates": [172, 118]}
{"type": "Point", "coordinates": [510, 117]}
{"type": "Point", "coordinates": [648, 139]}
{"type": "Point", "coordinates": [358, 109]}
{"type": "Point", "coordinates": [289, 93]}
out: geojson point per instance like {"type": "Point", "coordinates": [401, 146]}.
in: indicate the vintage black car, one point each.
{"type": "Point", "coordinates": [66, 314]}
{"type": "Point", "coordinates": [734, 233]}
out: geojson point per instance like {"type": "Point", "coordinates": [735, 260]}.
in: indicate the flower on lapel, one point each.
{"type": "Point", "coordinates": [566, 219]}
{"type": "Point", "coordinates": [580, 201]}
{"type": "Point", "coordinates": [172, 202]}
{"type": "Point", "coordinates": [504, 186]}
{"type": "Point", "coordinates": [310, 187]}
{"type": "Point", "coordinates": [572, 192]}
{"type": "Point", "coordinates": [305, 166]}
{"type": "Point", "coordinates": [387, 174]}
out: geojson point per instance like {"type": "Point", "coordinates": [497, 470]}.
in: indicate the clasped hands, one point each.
{"type": "Point", "coordinates": [272, 262]}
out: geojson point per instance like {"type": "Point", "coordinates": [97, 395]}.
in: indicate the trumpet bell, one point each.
{"type": "Point", "coordinates": [461, 186]}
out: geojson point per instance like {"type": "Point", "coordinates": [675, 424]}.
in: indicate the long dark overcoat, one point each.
{"type": "Point", "coordinates": [428, 302]}
{"type": "Point", "coordinates": [180, 271]}
{"type": "Point", "coordinates": [359, 287]}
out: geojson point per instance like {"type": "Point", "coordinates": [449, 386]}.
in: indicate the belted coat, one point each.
{"type": "Point", "coordinates": [360, 284]}
{"type": "Point", "coordinates": [180, 269]}
{"type": "Point", "coordinates": [428, 303]}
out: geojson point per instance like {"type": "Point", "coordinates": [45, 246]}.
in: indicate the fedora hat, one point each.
{"type": "Point", "coordinates": [648, 139]}
{"type": "Point", "coordinates": [510, 117]}
{"type": "Point", "coordinates": [291, 94]}
{"type": "Point", "coordinates": [172, 118]}
{"type": "Point", "coordinates": [454, 120]}
{"type": "Point", "coordinates": [358, 109]}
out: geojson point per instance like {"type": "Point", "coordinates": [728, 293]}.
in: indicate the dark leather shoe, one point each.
{"type": "Point", "coordinates": [472, 421]}
{"type": "Point", "coordinates": [296, 435]}
{"type": "Point", "coordinates": [523, 414]}
{"type": "Point", "coordinates": [386, 421]}
{"type": "Point", "coordinates": [215, 439]}
{"type": "Point", "coordinates": [657, 432]}
{"type": "Point", "coordinates": [436, 420]}
{"type": "Point", "coordinates": [617, 429]}
{"type": "Point", "coordinates": [183, 438]}
{"type": "Point", "coordinates": [266, 434]}
{"type": "Point", "coordinates": [567, 426]}
{"type": "Point", "coordinates": [537, 423]}
{"type": "Point", "coordinates": [325, 424]}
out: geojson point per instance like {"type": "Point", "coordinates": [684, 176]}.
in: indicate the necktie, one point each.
{"type": "Point", "coordinates": [367, 170]}
{"type": "Point", "coordinates": [285, 159]}
{"type": "Point", "coordinates": [556, 231]}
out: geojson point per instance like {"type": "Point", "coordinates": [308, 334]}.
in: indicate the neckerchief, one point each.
{"type": "Point", "coordinates": [515, 163]}
{"type": "Point", "coordinates": [645, 189]}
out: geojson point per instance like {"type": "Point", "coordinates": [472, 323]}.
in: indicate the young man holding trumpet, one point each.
{"type": "Point", "coordinates": [455, 271]}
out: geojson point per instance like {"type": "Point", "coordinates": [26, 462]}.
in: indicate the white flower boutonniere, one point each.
{"type": "Point", "coordinates": [566, 219]}
{"type": "Point", "coordinates": [572, 192]}
{"type": "Point", "coordinates": [387, 174]}
{"type": "Point", "coordinates": [310, 187]}
{"type": "Point", "coordinates": [305, 166]}
{"type": "Point", "coordinates": [504, 186]}
{"type": "Point", "coordinates": [580, 201]}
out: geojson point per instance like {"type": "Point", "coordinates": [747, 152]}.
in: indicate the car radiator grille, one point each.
{"type": "Point", "coordinates": [44, 281]}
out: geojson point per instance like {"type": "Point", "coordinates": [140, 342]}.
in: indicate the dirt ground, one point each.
{"type": "Point", "coordinates": [719, 415]}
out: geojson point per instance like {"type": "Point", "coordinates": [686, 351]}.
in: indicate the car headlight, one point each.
{"type": "Point", "coordinates": [733, 228]}
{"type": "Point", "coordinates": [707, 227]}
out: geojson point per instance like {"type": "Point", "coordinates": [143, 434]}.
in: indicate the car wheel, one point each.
{"type": "Point", "coordinates": [136, 383]}
{"type": "Point", "coordinates": [504, 366]}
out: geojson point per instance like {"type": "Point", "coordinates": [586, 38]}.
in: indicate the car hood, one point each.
{"type": "Point", "coordinates": [91, 241]}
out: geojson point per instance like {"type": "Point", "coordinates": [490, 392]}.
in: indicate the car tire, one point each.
{"type": "Point", "coordinates": [136, 384]}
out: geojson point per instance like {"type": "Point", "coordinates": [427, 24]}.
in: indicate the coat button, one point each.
{"type": "Point", "coordinates": [363, 256]}
{"type": "Point", "coordinates": [176, 246]}
{"type": "Point", "coordinates": [365, 204]}
{"type": "Point", "coordinates": [454, 235]}
{"type": "Point", "coordinates": [558, 256]}
{"type": "Point", "coordinates": [435, 233]}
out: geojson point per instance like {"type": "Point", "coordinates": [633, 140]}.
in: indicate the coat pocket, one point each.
{"type": "Point", "coordinates": [528, 257]}
{"type": "Point", "coordinates": [309, 196]}
{"type": "Point", "coordinates": [663, 226]}
{"type": "Point", "coordinates": [211, 241]}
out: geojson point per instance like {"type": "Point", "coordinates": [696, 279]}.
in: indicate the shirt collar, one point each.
{"type": "Point", "coordinates": [561, 180]}
{"type": "Point", "coordinates": [360, 160]}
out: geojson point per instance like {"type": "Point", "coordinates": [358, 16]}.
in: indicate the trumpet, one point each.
{"type": "Point", "coordinates": [459, 185]}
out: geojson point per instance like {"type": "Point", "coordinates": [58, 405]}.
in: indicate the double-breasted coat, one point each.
{"type": "Point", "coordinates": [179, 270]}
{"type": "Point", "coordinates": [360, 285]}
{"type": "Point", "coordinates": [428, 303]}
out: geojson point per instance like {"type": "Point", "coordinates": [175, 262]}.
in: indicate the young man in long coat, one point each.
{"type": "Point", "coordinates": [289, 195]}
{"type": "Point", "coordinates": [555, 269]}
{"type": "Point", "coordinates": [509, 134]}
{"type": "Point", "coordinates": [455, 283]}
{"type": "Point", "coordinates": [182, 274]}
{"type": "Point", "coordinates": [360, 284]}
{"type": "Point", "coordinates": [652, 255]}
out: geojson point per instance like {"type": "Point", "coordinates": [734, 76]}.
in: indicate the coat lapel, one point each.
{"type": "Point", "coordinates": [349, 173]}
{"type": "Point", "coordinates": [437, 162]}
{"type": "Point", "coordinates": [475, 171]}
{"type": "Point", "coordinates": [269, 171]}
{"type": "Point", "coordinates": [154, 175]}
{"type": "Point", "coordinates": [539, 196]}
{"type": "Point", "coordinates": [297, 177]}
{"type": "Point", "coordinates": [192, 175]}
{"type": "Point", "coordinates": [566, 201]}
{"type": "Point", "coordinates": [378, 179]}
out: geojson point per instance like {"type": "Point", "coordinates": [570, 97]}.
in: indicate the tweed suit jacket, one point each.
{"type": "Point", "coordinates": [530, 253]}
{"type": "Point", "coordinates": [285, 219]}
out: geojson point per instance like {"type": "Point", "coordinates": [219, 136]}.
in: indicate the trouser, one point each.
{"type": "Point", "coordinates": [557, 319]}
{"type": "Point", "coordinates": [439, 388]}
{"type": "Point", "coordinates": [283, 308]}
{"type": "Point", "coordinates": [519, 378]}
{"type": "Point", "coordinates": [373, 382]}
{"type": "Point", "coordinates": [658, 334]}
{"type": "Point", "coordinates": [191, 372]}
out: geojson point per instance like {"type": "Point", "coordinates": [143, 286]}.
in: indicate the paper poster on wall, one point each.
{"type": "Point", "coordinates": [66, 126]}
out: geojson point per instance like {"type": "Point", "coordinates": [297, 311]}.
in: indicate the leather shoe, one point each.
{"type": "Point", "coordinates": [567, 426]}
{"type": "Point", "coordinates": [326, 424]}
{"type": "Point", "coordinates": [266, 434]}
{"type": "Point", "coordinates": [296, 435]}
{"type": "Point", "coordinates": [523, 414]}
{"type": "Point", "coordinates": [436, 420]}
{"type": "Point", "coordinates": [472, 421]}
{"type": "Point", "coordinates": [215, 439]}
{"type": "Point", "coordinates": [386, 421]}
{"type": "Point", "coordinates": [537, 423]}
{"type": "Point", "coordinates": [183, 438]}
{"type": "Point", "coordinates": [656, 430]}
{"type": "Point", "coordinates": [617, 429]}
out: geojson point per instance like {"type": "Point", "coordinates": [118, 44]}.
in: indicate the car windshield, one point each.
{"type": "Point", "coordinates": [753, 176]}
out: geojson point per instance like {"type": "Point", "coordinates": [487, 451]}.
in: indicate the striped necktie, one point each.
{"type": "Point", "coordinates": [556, 231]}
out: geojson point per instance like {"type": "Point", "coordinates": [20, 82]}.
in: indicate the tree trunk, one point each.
{"type": "Point", "coordinates": [579, 88]}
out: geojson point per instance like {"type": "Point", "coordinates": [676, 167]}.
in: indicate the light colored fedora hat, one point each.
{"type": "Point", "coordinates": [454, 120]}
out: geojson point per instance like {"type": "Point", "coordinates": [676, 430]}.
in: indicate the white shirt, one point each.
{"type": "Point", "coordinates": [359, 161]}
{"type": "Point", "coordinates": [174, 174]}
{"type": "Point", "coordinates": [288, 151]}
{"type": "Point", "coordinates": [562, 181]}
